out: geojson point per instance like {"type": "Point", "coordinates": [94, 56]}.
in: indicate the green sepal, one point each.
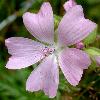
{"type": "Point", "coordinates": [91, 37]}
{"type": "Point", "coordinates": [92, 51]}
{"type": "Point", "coordinates": [57, 20]}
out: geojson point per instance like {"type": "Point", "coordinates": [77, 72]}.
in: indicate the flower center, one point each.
{"type": "Point", "coordinates": [51, 50]}
{"type": "Point", "coordinates": [48, 50]}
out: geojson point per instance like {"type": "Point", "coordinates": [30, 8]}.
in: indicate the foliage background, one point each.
{"type": "Point", "coordinates": [12, 82]}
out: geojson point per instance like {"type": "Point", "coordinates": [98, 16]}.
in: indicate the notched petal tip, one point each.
{"type": "Point", "coordinates": [72, 63]}
{"type": "Point", "coordinates": [94, 25]}
{"type": "Point", "coordinates": [91, 27]}
{"type": "Point", "coordinates": [7, 41]}
{"type": "Point", "coordinates": [44, 78]}
{"type": "Point", "coordinates": [46, 4]}
{"type": "Point", "coordinates": [41, 24]}
{"type": "Point", "coordinates": [78, 28]}
{"type": "Point", "coordinates": [69, 4]}
{"type": "Point", "coordinates": [25, 15]}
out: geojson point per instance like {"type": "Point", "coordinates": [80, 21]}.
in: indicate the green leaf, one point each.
{"type": "Point", "coordinates": [57, 19]}
{"type": "Point", "coordinates": [92, 51]}
{"type": "Point", "coordinates": [91, 37]}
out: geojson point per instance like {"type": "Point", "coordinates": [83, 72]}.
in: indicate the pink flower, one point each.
{"type": "Point", "coordinates": [25, 52]}
{"type": "Point", "coordinates": [69, 4]}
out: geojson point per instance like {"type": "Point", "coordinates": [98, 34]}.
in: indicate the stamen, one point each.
{"type": "Point", "coordinates": [48, 51]}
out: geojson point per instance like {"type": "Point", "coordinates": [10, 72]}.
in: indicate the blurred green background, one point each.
{"type": "Point", "coordinates": [12, 82]}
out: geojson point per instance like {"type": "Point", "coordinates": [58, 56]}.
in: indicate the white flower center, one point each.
{"type": "Point", "coordinates": [48, 50]}
{"type": "Point", "coordinates": [51, 50]}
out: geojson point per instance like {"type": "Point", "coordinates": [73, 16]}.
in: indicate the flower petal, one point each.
{"type": "Point", "coordinates": [25, 52]}
{"type": "Point", "coordinates": [72, 62]}
{"type": "Point", "coordinates": [41, 25]}
{"type": "Point", "coordinates": [45, 77]}
{"type": "Point", "coordinates": [74, 27]}
{"type": "Point", "coordinates": [69, 4]}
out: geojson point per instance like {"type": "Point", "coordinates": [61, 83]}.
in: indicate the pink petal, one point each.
{"type": "Point", "coordinates": [74, 27]}
{"type": "Point", "coordinates": [72, 62]}
{"type": "Point", "coordinates": [45, 77]}
{"type": "Point", "coordinates": [41, 25]}
{"type": "Point", "coordinates": [25, 52]}
{"type": "Point", "coordinates": [69, 4]}
{"type": "Point", "coordinates": [97, 58]}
